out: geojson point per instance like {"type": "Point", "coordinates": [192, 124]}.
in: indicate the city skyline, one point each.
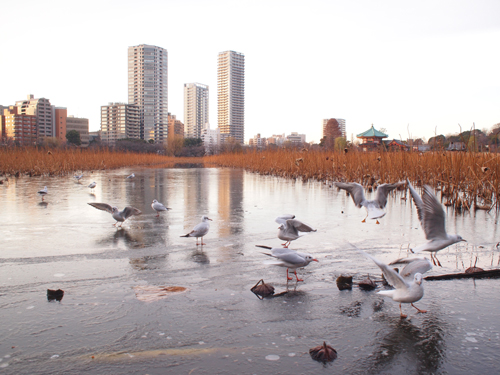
{"type": "Point", "coordinates": [413, 69]}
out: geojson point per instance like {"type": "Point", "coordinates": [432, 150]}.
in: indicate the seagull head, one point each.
{"type": "Point", "coordinates": [282, 227]}
{"type": "Point", "coordinates": [418, 278]}
{"type": "Point", "coordinates": [155, 201]}
{"type": "Point", "coordinates": [310, 259]}
{"type": "Point", "coordinates": [115, 209]}
{"type": "Point", "coordinates": [205, 218]}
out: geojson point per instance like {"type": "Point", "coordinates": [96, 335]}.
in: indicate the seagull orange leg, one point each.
{"type": "Point", "coordinates": [297, 276]}
{"type": "Point", "coordinates": [403, 316]}
{"type": "Point", "coordinates": [420, 311]}
{"type": "Point", "coordinates": [288, 277]}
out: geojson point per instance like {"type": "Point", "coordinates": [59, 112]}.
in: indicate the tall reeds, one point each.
{"type": "Point", "coordinates": [467, 180]}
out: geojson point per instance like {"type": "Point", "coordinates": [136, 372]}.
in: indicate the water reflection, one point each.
{"type": "Point", "coordinates": [123, 236]}
{"type": "Point", "coordinates": [406, 344]}
{"type": "Point", "coordinates": [199, 256]}
{"type": "Point", "coordinates": [149, 262]}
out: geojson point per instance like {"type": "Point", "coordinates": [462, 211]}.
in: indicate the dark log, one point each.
{"type": "Point", "coordinates": [475, 275]}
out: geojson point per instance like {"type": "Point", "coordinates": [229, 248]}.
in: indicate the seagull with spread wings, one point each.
{"type": "Point", "coordinates": [290, 227]}
{"type": "Point", "coordinates": [119, 216]}
{"type": "Point", "coordinates": [375, 207]}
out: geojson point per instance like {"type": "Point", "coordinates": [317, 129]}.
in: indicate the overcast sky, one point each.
{"type": "Point", "coordinates": [411, 67]}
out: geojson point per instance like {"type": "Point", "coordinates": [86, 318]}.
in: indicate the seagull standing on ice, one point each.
{"type": "Point", "coordinates": [158, 207]}
{"type": "Point", "coordinates": [92, 185]}
{"type": "Point", "coordinates": [43, 192]}
{"type": "Point", "coordinates": [200, 230]}
{"type": "Point", "coordinates": [117, 215]}
{"type": "Point", "coordinates": [289, 229]}
{"type": "Point", "coordinates": [432, 218]}
{"type": "Point", "coordinates": [408, 289]}
{"type": "Point", "coordinates": [288, 258]}
{"type": "Point", "coordinates": [78, 177]}
{"type": "Point", "coordinates": [374, 208]}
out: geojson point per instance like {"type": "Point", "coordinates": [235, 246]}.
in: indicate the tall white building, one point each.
{"type": "Point", "coordinates": [231, 95]}
{"type": "Point", "coordinates": [341, 125]}
{"type": "Point", "coordinates": [195, 109]}
{"type": "Point", "coordinates": [148, 88]}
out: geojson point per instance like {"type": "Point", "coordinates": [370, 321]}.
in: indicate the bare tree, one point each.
{"type": "Point", "coordinates": [332, 131]}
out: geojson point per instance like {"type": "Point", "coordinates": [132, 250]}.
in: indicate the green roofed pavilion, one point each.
{"type": "Point", "coordinates": [372, 132]}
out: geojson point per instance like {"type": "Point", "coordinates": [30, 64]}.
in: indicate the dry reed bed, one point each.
{"type": "Point", "coordinates": [466, 180]}
{"type": "Point", "coordinates": [37, 162]}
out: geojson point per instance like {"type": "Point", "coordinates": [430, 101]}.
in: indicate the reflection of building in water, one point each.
{"type": "Point", "coordinates": [230, 197]}
{"type": "Point", "coordinates": [199, 185]}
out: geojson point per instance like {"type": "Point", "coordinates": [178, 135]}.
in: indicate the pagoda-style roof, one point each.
{"type": "Point", "coordinates": [372, 132]}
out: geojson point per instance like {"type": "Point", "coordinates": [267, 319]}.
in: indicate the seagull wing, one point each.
{"type": "Point", "coordinates": [200, 229]}
{"type": "Point", "coordinates": [288, 256]}
{"type": "Point", "coordinates": [418, 203]}
{"type": "Point", "coordinates": [129, 211]}
{"type": "Point", "coordinates": [392, 277]}
{"type": "Point", "coordinates": [384, 190]}
{"type": "Point", "coordinates": [102, 206]}
{"type": "Point", "coordinates": [283, 218]}
{"type": "Point", "coordinates": [355, 189]}
{"type": "Point", "coordinates": [299, 226]}
{"type": "Point", "coordinates": [433, 216]}
{"type": "Point", "coordinates": [412, 266]}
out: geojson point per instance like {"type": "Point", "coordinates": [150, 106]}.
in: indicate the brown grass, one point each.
{"type": "Point", "coordinates": [466, 180]}
{"type": "Point", "coordinates": [53, 162]}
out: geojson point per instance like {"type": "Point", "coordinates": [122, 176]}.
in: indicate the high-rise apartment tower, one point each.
{"type": "Point", "coordinates": [195, 109]}
{"type": "Point", "coordinates": [231, 95]}
{"type": "Point", "coordinates": [148, 88]}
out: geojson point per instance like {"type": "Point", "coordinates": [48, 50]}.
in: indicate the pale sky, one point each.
{"type": "Point", "coordinates": [423, 65]}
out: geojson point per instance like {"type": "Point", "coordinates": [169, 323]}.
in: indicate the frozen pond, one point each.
{"type": "Point", "coordinates": [217, 325]}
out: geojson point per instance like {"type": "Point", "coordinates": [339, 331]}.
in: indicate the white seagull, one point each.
{"type": "Point", "coordinates": [412, 266]}
{"type": "Point", "coordinates": [131, 176]}
{"type": "Point", "coordinates": [78, 177]}
{"type": "Point", "coordinates": [92, 185]}
{"type": "Point", "coordinates": [432, 218]}
{"type": "Point", "coordinates": [288, 258]}
{"type": "Point", "coordinates": [407, 290]}
{"type": "Point", "coordinates": [43, 192]}
{"type": "Point", "coordinates": [289, 229]}
{"type": "Point", "coordinates": [374, 208]}
{"type": "Point", "coordinates": [117, 215]}
{"type": "Point", "coordinates": [200, 230]}
{"type": "Point", "coordinates": [158, 207]}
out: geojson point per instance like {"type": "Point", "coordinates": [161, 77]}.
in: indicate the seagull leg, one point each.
{"type": "Point", "coordinates": [297, 276]}
{"type": "Point", "coordinates": [286, 244]}
{"type": "Point", "coordinates": [196, 241]}
{"type": "Point", "coordinates": [202, 242]}
{"type": "Point", "coordinates": [403, 316]}
{"type": "Point", "coordinates": [364, 220]}
{"type": "Point", "coordinates": [377, 222]}
{"type": "Point", "coordinates": [288, 277]}
{"type": "Point", "coordinates": [438, 262]}
{"type": "Point", "coordinates": [420, 311]}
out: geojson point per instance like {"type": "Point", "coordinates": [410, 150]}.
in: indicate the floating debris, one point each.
{"type": "Point", "coordinates": [150, 293]}
{"type": "Point", "coordinates": [367, 284]}
{"type": "Point", "coordinates": [263, 290]}
{"type": "Point", "coordinates": [474, 269]}
{"type": "Point", "coordinates": [323, 353]}
{"type": "Point", "coordinates": [55, 295]}
{"type": "Point", "coordinates": [344, 282]}
{"type": "Point", "coordinates": [272, 357]}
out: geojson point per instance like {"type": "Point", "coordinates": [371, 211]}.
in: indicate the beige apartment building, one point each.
{"type": "Point", "coordinates": [175, 127]}
{"type": "Point", "coordinates": [60, 115]}
{"type": "Point", "coordinates": [231, 95]}
{"type": "Point", "coordinates": [119, 121]}
{"type": "Point", "coordinates": [20, 128]}
{"type": "Point", "coordinates": [81, 125]}
{"type": "Point", "coordinates": [195, 109]}
{"type": "Point", "coordinates": [148, 89]}
{"type": "Point", "coordinates": [42, 109]}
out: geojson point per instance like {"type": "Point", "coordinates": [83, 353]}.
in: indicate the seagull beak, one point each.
{"type": "Point", "coordinates": [418, 282]}
{"type": "Point", "coordinates": [463, 240]}
{"type": "Point", "coordinates": [315, 260]}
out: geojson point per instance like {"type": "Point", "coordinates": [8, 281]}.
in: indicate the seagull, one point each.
{"type": "Point", "coordinates": [289, 229]}
{"type": "Point", "coordinates": [374, 208]}
{"type": "Point", "coordinates": [92, 185]}
{"type": "Point", "coordinates": [431, 216]}
{"type": "Point", "coordinates": [157, 206]}
{"type": "Point", "coordinates": [131, 176]}
{"type": "Point", "coordinates": [412, 266]}
{"type": "Point", "coordinates": [288, 258]}
{"type": "Point", "coordinates": [43, 192]}
{"type": "Point", "coordinates": [408, 289]}
{"type": "Point", "coordinates": [117, 215]}
{"type": "Point", "coordinates": [78, 177]}
{"type": "Point", "coordinates": [200, 230]}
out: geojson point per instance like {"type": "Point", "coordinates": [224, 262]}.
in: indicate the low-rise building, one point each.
{"type": "Point", "coordinates": [20, 128]}
{"type": "Point", "coordinates": [81, 125]}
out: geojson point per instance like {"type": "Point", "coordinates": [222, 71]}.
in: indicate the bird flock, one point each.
{"type": "Point", "coordinates": [407, 283]}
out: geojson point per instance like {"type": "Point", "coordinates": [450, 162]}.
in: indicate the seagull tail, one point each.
{"type": "Point", "coordinates": [264, 247]}
{"type": "Point", "coordinates": [269, 255]}
{"type": "Point", "coordinates": [186, 235]}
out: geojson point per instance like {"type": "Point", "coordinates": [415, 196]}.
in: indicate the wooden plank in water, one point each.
{"type": "Point", "coordinates": [475, 275]}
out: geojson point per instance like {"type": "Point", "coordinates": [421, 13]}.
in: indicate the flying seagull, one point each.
{"type": "Point", "coordinates": [408, 289]}
{"type": "Point", "coordinates": [117, 215]}
{"type": "Point", "coordinates": [375, 207]}
{"type": "Point", "coordinates": [158, 207]}
{"type": "Point", "coordinates": [43, 192]}
{"type": "Point", "coordinates": [131, 176]}
{"type": "Point", "coordinates": [200, 230]}
{"type": "Point", "coordinates": [432, 218]}
{"type": "Point", "coordinates": [288, 258]}
{"type": "Point", "coordinates": [289, 229]}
